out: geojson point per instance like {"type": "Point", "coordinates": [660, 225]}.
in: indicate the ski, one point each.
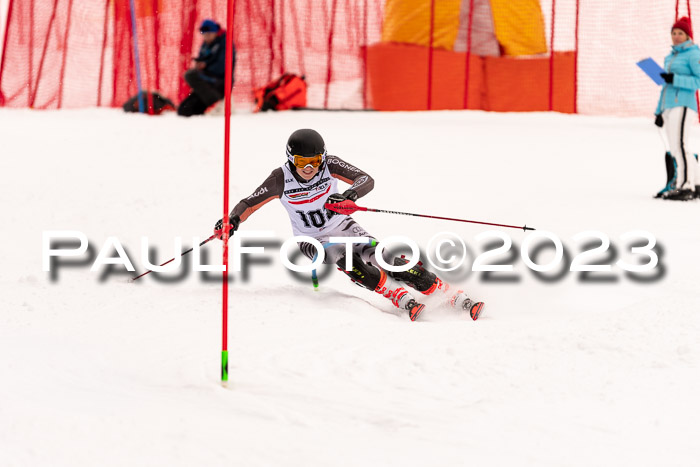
{"type": "Point", "coordinates": [476, 309]}
{"type": "Point", "coordinates": [414, 312]}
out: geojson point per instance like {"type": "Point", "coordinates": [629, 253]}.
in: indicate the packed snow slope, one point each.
{"type": "Point", "coordinates": [564, 370]}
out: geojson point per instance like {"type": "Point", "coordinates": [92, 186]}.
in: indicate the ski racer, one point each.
{"type": "Point", "coordinates": [307, 186]}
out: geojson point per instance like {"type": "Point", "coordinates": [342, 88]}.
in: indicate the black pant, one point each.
{"type": "Point", "coordinates": [204, 94]}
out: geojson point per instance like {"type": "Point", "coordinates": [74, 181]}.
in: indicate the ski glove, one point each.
{"type": "Point", "coordinates": [338, 198]}
{"type": "Point", "coordinates": [668, 77]}
{"type": "Point", "coordinates": [659, 121]}
{"type": "Point", "coordinates": [234, 222]}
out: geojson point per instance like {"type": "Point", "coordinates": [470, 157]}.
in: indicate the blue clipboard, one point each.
{"type": "Point", "coordinates": [652, 69]}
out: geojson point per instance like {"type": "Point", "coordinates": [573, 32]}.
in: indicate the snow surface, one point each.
{"type": "Point", "coordinates": [560, 373]}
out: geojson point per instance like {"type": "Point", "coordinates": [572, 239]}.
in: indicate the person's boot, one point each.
{"type": "Point", "coordinates": [680, 194]}
{"type": "Point", "coordinates": [191, 105]}
{"type": "Point", "coordinates": [399, 296]}
{"type": "Point", "coordinates": [671, 169]}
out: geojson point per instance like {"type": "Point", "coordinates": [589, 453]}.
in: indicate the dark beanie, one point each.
{"type": "Point", "coordinates": [209, 25]}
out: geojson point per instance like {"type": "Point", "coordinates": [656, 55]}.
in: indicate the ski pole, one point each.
{"type": "Point", "coordinates": [137, 61]}
{"type": "Point", "coordinates": [173, 259]}
{"type": "Point", "coordinates": [314, 275]}
{"type": "Point", "coordinates": [347, 207]}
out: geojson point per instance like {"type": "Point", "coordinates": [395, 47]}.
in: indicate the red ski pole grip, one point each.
{"type": "Point", "coordinates": [346, 207]}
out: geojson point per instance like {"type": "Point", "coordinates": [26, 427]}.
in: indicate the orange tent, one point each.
{"type": "Point", "coordinates": [507, 68]}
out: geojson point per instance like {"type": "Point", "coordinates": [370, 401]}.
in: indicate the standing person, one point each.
{"type": "Point", "coordinates": [677, 107]}
{"type": "Point", "coordinates": [307, 186]}
{"type": "Point", "coordinates": [207, 76]}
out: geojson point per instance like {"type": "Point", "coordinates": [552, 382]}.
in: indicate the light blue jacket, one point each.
{"type": "Point", "coordinates": [684, 63]}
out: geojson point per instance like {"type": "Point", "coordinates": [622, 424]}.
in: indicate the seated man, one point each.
{"type": "Point", "coordinates": [206, 78]}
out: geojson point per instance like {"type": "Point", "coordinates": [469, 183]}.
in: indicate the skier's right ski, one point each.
{"type": "Point", "coordinates": [415, 309]}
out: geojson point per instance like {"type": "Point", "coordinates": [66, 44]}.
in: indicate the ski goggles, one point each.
{"type": "Point", "coordinates": [303, 161]}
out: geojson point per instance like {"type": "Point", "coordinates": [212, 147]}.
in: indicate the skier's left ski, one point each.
{"type": "Point", "coordinates": [476, 309]}
{"type": "Point", "coordinates": [461, 300]}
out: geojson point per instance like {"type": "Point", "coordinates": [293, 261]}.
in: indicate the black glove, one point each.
{"type": "Point", "coordinates": [659, 121]}
{"type": "Point", "coordinates": [234, 222]}
{"type": "Point", "coordinates": [338, 198]}
{"type": "Point", "coordinates": [668, 77]}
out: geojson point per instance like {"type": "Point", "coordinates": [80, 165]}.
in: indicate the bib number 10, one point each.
{"type": "Point", "coordinates": [316, 218]}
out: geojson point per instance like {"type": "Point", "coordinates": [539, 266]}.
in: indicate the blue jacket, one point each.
{"type": "Point", "coordinates": [214, 56]}
{"type": "Point", "coordinates": [684, 63]}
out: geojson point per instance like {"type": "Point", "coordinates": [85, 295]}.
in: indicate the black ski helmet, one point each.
{"type": "Point", "coordinates": [305, 142]}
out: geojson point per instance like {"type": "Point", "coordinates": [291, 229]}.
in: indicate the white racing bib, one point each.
{"type": "Point", "coordinates": [305, 202]}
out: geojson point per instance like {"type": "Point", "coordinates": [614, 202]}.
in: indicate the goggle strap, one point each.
{"type": "Point", "coordinates": [291, 158]}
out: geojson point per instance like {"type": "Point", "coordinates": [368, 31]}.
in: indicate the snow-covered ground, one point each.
{"type": "Point", "coordinates": [562, 372]}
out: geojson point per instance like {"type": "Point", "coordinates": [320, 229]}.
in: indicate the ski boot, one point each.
{"type": "Point", "coordinates": [403, 300]}
{"type": "Point", "coordinates": [671, 169]}
{"type": "Point", "coordinates": [418, 277]}
{"type": "Point", "coordinates": [683, 194]}
{"type": "Point", "coordinates": [670, 186]}
{"type": "Point", "coordinates": [400, 297]}
{"type": "Point", "coordinates": [460, 300]}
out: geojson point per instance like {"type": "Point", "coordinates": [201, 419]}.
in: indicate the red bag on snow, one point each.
{"type": "Point", "coordinates": [286, 92]}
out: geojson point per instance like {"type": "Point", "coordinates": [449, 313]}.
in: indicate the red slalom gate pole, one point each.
{"type": "Point", "coordinates": [347, 207]}
{"type": "Point", "coordinates": [172, 259]}
{"type": "Point", "coordinates": [228, 80]}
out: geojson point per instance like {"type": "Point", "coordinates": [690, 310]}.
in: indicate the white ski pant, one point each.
{"type": "Point", "coordinates": [677, 121]}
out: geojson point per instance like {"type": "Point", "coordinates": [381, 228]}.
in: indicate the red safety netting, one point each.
{"type": "Point", "coordinates": [613, 36]}
{"type": "Point", "coordinates": [76, 53]}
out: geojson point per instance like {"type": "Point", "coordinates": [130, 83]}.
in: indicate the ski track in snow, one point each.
{"type": "Point", "coordinates": [561, 373]}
